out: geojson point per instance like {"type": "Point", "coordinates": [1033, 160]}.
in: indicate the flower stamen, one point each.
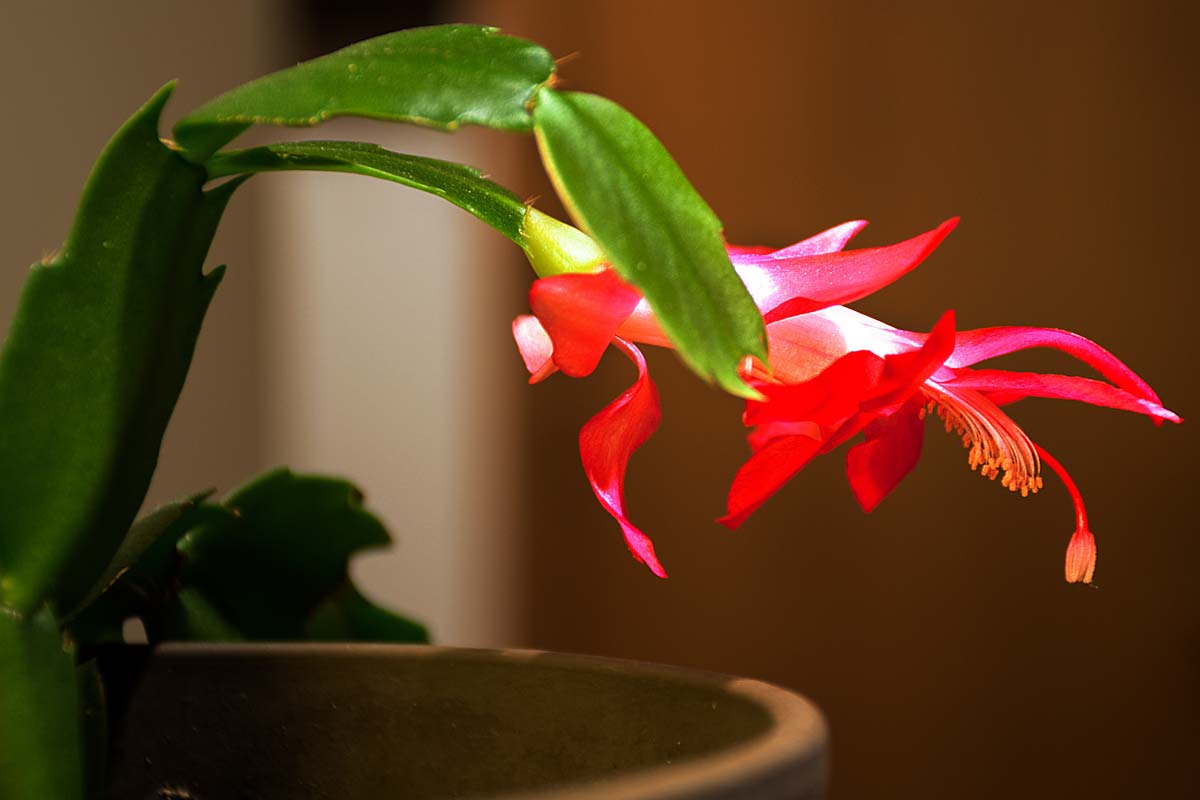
{"type": "Point", "coordinates": [997, 445]}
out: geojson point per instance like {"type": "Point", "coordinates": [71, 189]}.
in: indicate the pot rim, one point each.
{"type": "Point", "coordinates": [792, 748]}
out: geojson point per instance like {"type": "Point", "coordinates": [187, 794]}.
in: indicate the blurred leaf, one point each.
{"type": "Point", "coordinates": [347, 616]}
{"type": "Point", "coordinates": [94, 362]}
{"type": "Point", "coordinates": [270, 564]}
{"type": "Point", "coordinates": [143, 576]}
{"type": "Point", "coordinates": [462, 185]}
{"type": "Point", "coordinates": [39, 712]}
{"type": "Point", "coordinates": [147, 552]}
{"type": "Point", "coordinates": [285, 548]}
{"type": "Point", "coordinates": [442, 77]}
{"type": "Point", "coordinates": [623, 187]}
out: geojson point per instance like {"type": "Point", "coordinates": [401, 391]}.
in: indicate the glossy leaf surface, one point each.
{"type": "Point", "coordinates": [624, 188]}
{"type": "Point", "coordinates": [464, 186]}
{"type": "Point", "coordinates": [443, 77]}
{"type": "Point", "coordinates": [40, 734]}
{"type": "Point", "coordinates": [94, 362]}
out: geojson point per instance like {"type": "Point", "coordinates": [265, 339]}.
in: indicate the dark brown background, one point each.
{"type": "Point", "coordinates": [937, 633]}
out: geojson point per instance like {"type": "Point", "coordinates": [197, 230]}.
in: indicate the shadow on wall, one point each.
{"type": "Point", "coordinates": [937, 632]}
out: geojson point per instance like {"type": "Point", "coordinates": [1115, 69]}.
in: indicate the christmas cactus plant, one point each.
{"type": "Point", "coordinates": [100, 347]}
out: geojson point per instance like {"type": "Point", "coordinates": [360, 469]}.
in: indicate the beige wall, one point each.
{"type": "Point", "coordinates": [383, 333]}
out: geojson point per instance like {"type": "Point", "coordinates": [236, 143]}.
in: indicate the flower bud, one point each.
{"type": "Point", "coordinates": [554, 247]}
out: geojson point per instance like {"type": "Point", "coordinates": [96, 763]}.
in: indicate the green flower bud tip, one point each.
{"type": "Point", "coordinates": [553, 247]}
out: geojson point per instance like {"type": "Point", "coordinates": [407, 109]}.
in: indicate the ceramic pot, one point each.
{"type": "Point", "coordinates": [349, 721]}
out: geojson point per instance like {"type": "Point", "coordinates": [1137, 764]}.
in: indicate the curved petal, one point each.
{"type": "Point", "coordinates": [608, 440]}
{"type": "Point", "coordinates": [800, 347]}
{"type": "Point", "coordinates": [981, 344]}
{"type": "Point", "coordinates": [905, 372]}
{"type": "Point", "coordinates": [765, 473]}
{"type": "Point", "coordinates": [828, 399]}
{"type": "Point", "coordinates": [581, 312]}
{"type": "Point", "coordinates": [798, 422]}
{"type": "Point", "coordinates": [890, 451]}
{"type": "Point", "coordinates": [535, 346]}
{"type": "Point", "coordinates": [787, 286]}
{"type": "Point", "coordinates": [764, 434]}
{"type": "Point", "coordinates": [1012, 386]}
{"type": "Point", "coordinates": [828, 241]}
{"type": "Point", "coordinates": [859, 381]}
{"type": "Point", "coordinates": [735, 250]}
{"type": "Point", "coordinates": [794, 424]}
{"type": "Point", "coordinates": [642, 326]}
{"type": "Point", "coordinates": [808, 276]}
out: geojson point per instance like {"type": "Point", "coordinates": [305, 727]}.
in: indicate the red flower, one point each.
{"type": "Point", "coordinates": [833, 373]}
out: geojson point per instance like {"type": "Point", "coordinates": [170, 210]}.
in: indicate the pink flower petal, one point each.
{"type": "Point", "coordinates": [581, 312]}
{"type": "Point", "coordinates": [643, 327]}
{"type": "Point", "coordinates": [905, 372]}
{"type": "Point", "coordinates": [535, 346]}
{"type": "Point", "coordinates": [794, 423]}
{"type": "Point", "coordinates": [800, 347]}
{"type": "Point", "coordinates": [983, 343]}
{"type": "Point", "coordinates": [829, 241]}
{"type": "Point", "coordinates": [735, 250]}
{"type": "Point", "coordinates": [787, 286]}
{"type": "Point", "coordinates": [890, 451]}
{"type": "Point", "coordinates": [829, 398]}
{"type": "Point", "coordinates": [799, 421]}
{"type": "Point", "coordinates": [763, 434]}
{"type": "Point", "coordinates": [1013, 386]}
{"type": "Point", "coordinates": [608, 440]}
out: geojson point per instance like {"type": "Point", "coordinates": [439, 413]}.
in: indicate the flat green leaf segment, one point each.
{"type": "Point", "coordinates": [623, 187]}
{"type": "Point", "coordinates": [442, 77]}
{"type": "Point", "coordinates": [95, 360]}
{"type": "Point", "coordinates": [40, 733]}
{"type": "Point", "coordinates": [462, 185]}
{"type": "Point", "coordinates": [268, 564]}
